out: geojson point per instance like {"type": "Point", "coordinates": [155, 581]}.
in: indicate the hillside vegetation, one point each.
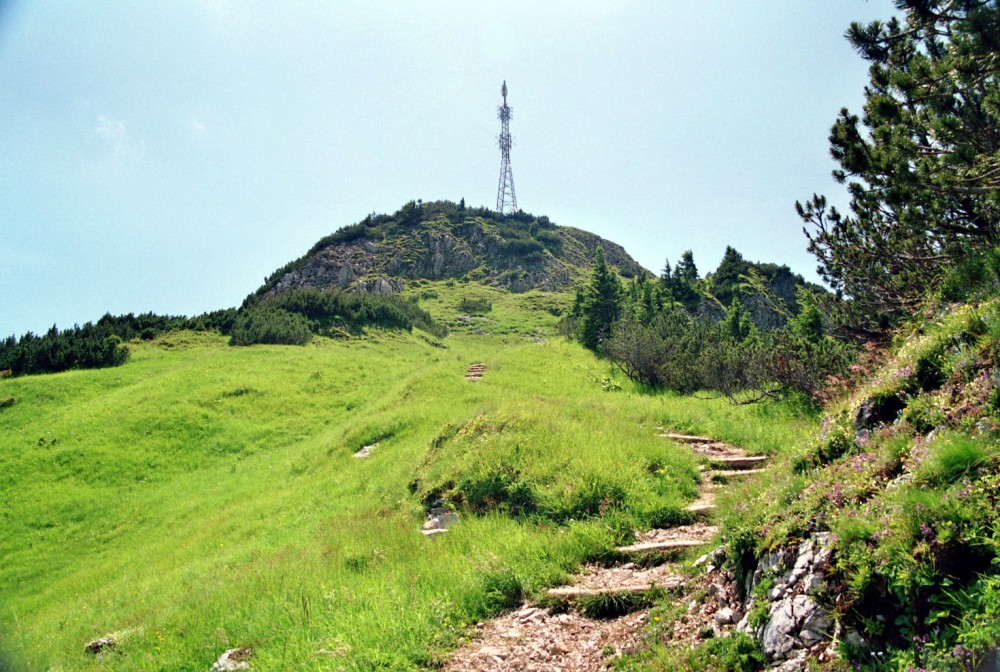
{"type": "Point", "coordinates": [203, 497]}
{"type": "Point", "coordinates": [443, 240]}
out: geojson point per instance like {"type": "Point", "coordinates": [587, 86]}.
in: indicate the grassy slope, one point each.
{"type": "Point", "coordinates": [203, 496]}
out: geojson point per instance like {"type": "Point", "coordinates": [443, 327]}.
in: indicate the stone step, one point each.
{"type": "Point", "coordinates": [700, 509]}
{"type": "Point", "coordinates": [624, 579]}
{"type": "Point", "coordinates": [726, 474]}
{"type": "Point", "coordinates": [686, 438]}
{"type": "Point", "coordinates": [661, 546]}
{"type": "Point", "coordinates": [570, 592]}
{"type": "Point", "coordinates": [742, 463]}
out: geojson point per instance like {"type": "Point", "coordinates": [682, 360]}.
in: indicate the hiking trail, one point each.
{"type": "Point", "coordinates": [558, 635]}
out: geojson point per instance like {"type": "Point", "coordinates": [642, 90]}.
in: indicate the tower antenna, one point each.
{"type": "Point", "coordinates": [506, 200]}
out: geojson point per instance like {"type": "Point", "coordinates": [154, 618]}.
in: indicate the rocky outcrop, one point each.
{"type": "Point", "coordinates": [513, 256]}
{"type": "Point", "coordinates": [797, 624]}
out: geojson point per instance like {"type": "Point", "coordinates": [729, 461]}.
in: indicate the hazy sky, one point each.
{"type": "Point", "coordinates": [167, 156]}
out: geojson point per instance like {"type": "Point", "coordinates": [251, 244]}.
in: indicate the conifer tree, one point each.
{"type": "Point", "coordinates": [600, 303]}
{"type": "Point", "coordinates": [922, 163]}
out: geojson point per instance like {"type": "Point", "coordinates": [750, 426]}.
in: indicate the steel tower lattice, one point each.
{"type": "Point", "coordinates": [506, 200]}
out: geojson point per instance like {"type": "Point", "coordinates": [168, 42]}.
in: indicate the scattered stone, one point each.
{"type": "Point", "coordinates": [366, 451]}
{"type": "Point", "coordinates": [233, 660]}
{"type": "Point", "coordinates": [724, 616]}
{"type": "Point", "coordinates": [439, 523]}
{"type": "Point", "coordinates": [100, 645]}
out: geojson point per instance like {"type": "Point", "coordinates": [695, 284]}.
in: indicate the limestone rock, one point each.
{"type": "Point", "coordinates": [795, 621]}
{"type": "Point", "coordinates": [439, 522]}
{"type": "Point", "coordinates": [233, 660]}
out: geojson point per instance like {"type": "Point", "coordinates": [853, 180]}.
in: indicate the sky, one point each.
{"type": "Point", "coordinates": [168, 156]}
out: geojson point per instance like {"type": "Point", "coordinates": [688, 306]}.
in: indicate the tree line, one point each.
{"type": "Point", "coordinates": [755, 342]}
{"type": "Point", "coordinates": [289, 318]}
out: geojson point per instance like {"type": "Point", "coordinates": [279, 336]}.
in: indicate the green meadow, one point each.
{"type": "Point", "coordinates": [203, 497]}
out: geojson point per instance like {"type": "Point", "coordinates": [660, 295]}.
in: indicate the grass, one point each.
{"type": "Point", "coordinates": [204, 497]}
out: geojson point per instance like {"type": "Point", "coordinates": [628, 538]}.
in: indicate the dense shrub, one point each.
{"type": "Point", "coordinates": [474, 306]}
{"type": "Point", "coordinates": [270, 325]}
{"type": "Point", "coordinates": [335, 311]}
{"type": "Point", "coordinates": [86, 347]}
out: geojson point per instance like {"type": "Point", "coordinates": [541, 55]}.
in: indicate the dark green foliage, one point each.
{"type": "Point", "coordinates": [736, 653]}
{"type": "Point", "coordinates": [599, 305]}
{"type": "Point", "coordinates": [682, 283]}
{"type": "Point", "coordinates": [86, 347]}
{"type": "Point", "coordinates": [334, 311]}
{"type": "Point", "coordinates": [975, 276]}
{"type": "Point", "coordinates": [531, 250]}
{"type": "Point", "coordinates": [270, 325]}
{"type": "Point", "coordinates": [920, 163]}
{"type": "Point", "coordinates": [664, 352]}
{"type": "Point", "coordinates": [726, 279]}
{"type": "Point", "coordinates": [475, 306]}
{"type": "Point", "coordinates": [809, 323]}
{"type": "Point", "coordinates": [615, 605]}
{"type": "Point", "coordinates": [502, 590]}
{"type": "Point", "coordinates": [733, 357]}
{"type": "Point", "coordinates": [498, 490]}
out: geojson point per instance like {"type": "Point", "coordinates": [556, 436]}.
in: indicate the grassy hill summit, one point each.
{"type": "Point", "coordinates": [444, 240]}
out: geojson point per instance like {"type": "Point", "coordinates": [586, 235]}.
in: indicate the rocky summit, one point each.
{"type": "Point", "coordinates": [443, 240]}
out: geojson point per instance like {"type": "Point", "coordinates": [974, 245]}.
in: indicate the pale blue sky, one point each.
{"type": "Point", "coordinates": [168, 156]}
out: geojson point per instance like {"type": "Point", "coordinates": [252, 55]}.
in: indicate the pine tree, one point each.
{"type": "Point", "coordinates": [600, 303]}
{"type": "Point", "coordinates": [922, 164]}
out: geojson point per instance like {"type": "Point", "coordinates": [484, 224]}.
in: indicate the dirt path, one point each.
{"type": "Point", "coordinates": [562, 638]}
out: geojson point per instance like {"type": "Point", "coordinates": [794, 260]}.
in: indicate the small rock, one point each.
{"type": "Point", "coordinates": [776, 593]}
{"type": "Point", "coordinates": [366, 451]}
{"type": "Point", "coordinates": [724, 616]}
{"type": "Point", "coordinates": [434, 532]}
{"type": "Point", "coordinates": [796, 663]}
{"type": "Point", "coordinates": [233, 659]}
{"type": "Point", "coordinates": [441, 521]}
{"type": "Point", "coordinates": [810, 637]}
{"type": "Point", "coordinates": [101, 644]}
{"type": "Point", "coordinates": [709, 569]}
{"type": "Point", "coordinates": [701, 561]}
{"type": "Point", "coordinates": [814, 583]}
{"type": "Point", "coordinates": [692, 605]}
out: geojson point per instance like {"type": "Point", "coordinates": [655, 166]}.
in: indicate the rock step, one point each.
{"type": "Point", "coordinates": [570, 592]}
{"type": "Point", "coordinates": [661, 546]}
{"type": "Point", "coordinates": [726, 474]}
{"type": "Point", "coordinates": [625, 579]}
{"type": "Point", "coordinates": [686, 438]}
{"type": "Point", "coordinates": [700, 509]}
{"type": "Point", "coordinates": [743, 463]}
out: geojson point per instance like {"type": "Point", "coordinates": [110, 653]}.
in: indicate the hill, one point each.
{"type": "Point", "coordinates": [444, 240]}
{"type": "Point", "coordinates": [204, 497]}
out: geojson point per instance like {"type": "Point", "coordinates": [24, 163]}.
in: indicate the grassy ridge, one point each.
{"type": "Point", "coordinates": [203, 497]}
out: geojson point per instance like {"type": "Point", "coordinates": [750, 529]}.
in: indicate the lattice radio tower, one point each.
{"type": "Point", "coordinates": [506, 200]}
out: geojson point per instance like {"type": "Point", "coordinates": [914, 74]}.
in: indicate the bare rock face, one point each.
{"type": "Point", "coordinates": [797, 620]}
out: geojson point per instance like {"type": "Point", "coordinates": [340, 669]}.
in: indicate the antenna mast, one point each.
{"type": "Point", "coordinates": [506, 200]}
